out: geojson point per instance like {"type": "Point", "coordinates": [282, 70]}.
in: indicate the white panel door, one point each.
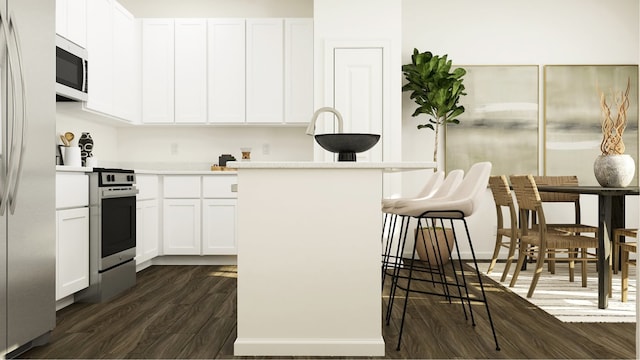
{"type": "Point", "coordinates": [265, 83]}
{"type": "Point", "coordinates": [100, 52]}
{"type": "Point", "coordinates": [190, 71]}
{"type": "Point", "coordinates": [72, 259]}
{"type": "Point", "coordinates": [147, 240]}
{"type": "Point", "coordinates": [124, 64]}
{"type": "Point", "coordinates": [226, 70]}
{"type": "Point", "coordinates": [219, 227]}
{"type": "Point", "coordinates": [298, 70]}
{"type": "Point", "coordinates": [157, 71]}
{"type": "Point", "coordinates": [181, 227]}
{"type": "Point", "coordinates": [357, 80]}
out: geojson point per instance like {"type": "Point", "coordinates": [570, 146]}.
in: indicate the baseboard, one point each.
{"type": "Point", "coordinates": [308, 347]}
{"type": "Point", "coordinates": [195, 260]}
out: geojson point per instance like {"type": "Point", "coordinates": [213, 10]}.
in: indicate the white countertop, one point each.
{"type": "Point", "coordinates": [186, 172]}
{"type": "Point", "coordinates": [386, 166]}
{"type": "Point", "coordinates": [64, 168]}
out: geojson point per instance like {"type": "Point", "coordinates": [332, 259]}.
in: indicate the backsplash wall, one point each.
{"type": "Point", "coordinates": [198, 147]}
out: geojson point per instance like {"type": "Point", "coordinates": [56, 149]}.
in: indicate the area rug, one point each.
{"type": "Point", "coordinates": [569, 301]}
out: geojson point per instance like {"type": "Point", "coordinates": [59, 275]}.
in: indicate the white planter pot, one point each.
{"type": "Point", "coordinates": [614, 170]}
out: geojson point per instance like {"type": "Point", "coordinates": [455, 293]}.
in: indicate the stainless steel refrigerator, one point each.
{"type": "Point", "coordinates": [27, 173]}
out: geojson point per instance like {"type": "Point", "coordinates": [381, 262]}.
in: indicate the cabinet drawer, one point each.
{"type": "Point", "coordinates": [72, 190]}
{"type": "Point", "coordinates": [181, 186]}
{"type": "Point", "coordinates": [147, 186]}
{"type": "Point", "coordinates": [220, 186]}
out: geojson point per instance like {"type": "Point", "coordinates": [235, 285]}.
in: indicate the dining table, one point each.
{"type": "Point", "coordinates": [611, 216]}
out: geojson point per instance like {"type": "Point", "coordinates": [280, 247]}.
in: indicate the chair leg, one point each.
{"type": "Point", "coordinates": [572, 264]}
{"type": "Point", "coordinates": [536, 273]}
{"type": "Point", "coordinates": [507, 265]}
{"type": "Point", "coordinates": [496, 251]}
{"type": "Point", "coordinates": [522, 255]}
{"type": "Point", "coordinates": [625, 275]}
{"type": "Point", "coordinates": [583, 255]}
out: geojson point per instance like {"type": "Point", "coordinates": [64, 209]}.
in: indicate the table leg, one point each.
{"type": "Point", "coordinates": [604, 248]}
{"type": "Point", "coordinates": [611, 216]}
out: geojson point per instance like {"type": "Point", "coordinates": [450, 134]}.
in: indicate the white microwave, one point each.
{"type": "Point", "coordinates": [71, 71]}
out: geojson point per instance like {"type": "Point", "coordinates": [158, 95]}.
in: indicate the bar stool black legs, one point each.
{"type": "Point", "coordinates": [451, 277]}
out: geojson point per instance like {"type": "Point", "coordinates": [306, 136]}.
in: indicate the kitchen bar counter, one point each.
{"type": "Point", "coordinates": [309, 258]}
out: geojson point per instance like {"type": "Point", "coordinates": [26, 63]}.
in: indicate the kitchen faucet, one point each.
{"type": "Point", "coordinates": [312, 125]}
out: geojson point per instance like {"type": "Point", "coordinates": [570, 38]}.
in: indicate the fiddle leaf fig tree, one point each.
{"type": "Point", "coordinates": [436, 89]}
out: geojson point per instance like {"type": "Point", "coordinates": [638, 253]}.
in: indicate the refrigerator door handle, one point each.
{"type": "Point", "coordinates": [4, 123]}
{"type": "Point", "coordinates": [20, 116]}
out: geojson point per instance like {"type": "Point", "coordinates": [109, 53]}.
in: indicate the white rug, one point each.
{"type": "Point", "coordinates": [567, 301]}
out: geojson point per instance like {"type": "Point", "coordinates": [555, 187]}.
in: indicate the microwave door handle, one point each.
{"type": "Point", "coordinates": [20, 116]}
{"type": "Point", "coordinates": [85, 81]}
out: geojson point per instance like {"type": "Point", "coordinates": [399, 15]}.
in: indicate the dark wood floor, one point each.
{"type": "Point", "coordinates": [188, 312]}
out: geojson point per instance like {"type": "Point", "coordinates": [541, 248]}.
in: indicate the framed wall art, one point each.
{"type": "Point", "coordinates": [500, 122]}
{"type": "Point", "coordinates": [573, 116]}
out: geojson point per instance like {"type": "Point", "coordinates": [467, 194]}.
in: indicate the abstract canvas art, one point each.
{"type": "Point", "coordinates": [573, 116]}
{"type": "Point", "coordinates": [500, 122]}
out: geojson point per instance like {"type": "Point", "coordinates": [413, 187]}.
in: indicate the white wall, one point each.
{"type": "Point", "coordinates": [506, 32]}
{"type": "Point", "coordinates": [197, 148]}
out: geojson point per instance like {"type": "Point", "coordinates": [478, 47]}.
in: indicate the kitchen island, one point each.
{"type": "Point", "coordinates": [309, 257]}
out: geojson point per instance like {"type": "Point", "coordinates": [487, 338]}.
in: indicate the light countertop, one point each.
{"type": "Point", "coordinates": [386, 166]}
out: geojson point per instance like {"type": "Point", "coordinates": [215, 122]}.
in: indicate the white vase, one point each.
{"type": "Point", "coordinates": [614, 170]}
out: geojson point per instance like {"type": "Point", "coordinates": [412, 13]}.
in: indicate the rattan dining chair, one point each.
{"type": "Point", "coordinates": [503, 199]}
{"type": "Point", "coordinates": [570, 199]}
{"type": "Point", "coordinates": [625, 248]}
{"type": "Point", "coordinates": [538, 241]}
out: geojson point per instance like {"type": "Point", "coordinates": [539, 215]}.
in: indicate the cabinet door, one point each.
{"type": "Point", "coordinates": [147, 240]}
{"type": "Point", "coordinates": [226, 70]}
{"type": "Point", "coordinates": [125, 97]}
{"type": "Point", "coordinates": [265, 90]}
{"type": "Point", "coordinates": [298, 70]}
{"type": "Point", "coordinates": [190, 71]}
{"type": "Point", "coordinates": [71, 20]}
{"type": "Point", "coordinates": [157, 71]}
{"type": "Point", "coordinates": [181, 227]}
{"type": "Point", "coordinates": [100, 50]}
{"type": "Point", "coordinates": [72, 248]}
{"type": "Point", "coordinates": [219, 227]}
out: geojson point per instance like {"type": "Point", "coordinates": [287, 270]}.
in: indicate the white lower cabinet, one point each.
{"type": "Point", "coordinates": [219, 227]}
{"type": "Point", "coordinates": [181, 227]}
{"type": "Point", "coordinates": [199, 215]}
{"type": "Point", "coordinates": [72, 251]}
{"type": "Point", "coordinates": [147, 223]}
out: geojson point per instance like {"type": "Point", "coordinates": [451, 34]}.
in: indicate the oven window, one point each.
{"type": "Point", "coordinates": [118, 225]}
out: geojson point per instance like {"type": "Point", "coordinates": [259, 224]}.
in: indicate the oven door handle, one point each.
{"type": "Point", "coordinates": [108, 194]}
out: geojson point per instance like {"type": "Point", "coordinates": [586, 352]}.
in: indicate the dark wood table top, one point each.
{"type": "Point", "coordinates": [589, 189]}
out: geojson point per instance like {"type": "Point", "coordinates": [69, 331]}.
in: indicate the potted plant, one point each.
{"type": "Point", "coordinates": [436, 88]}
{"type": "Point", "coordinates": [614, 168]}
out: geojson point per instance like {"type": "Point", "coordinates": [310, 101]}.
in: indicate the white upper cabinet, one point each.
{"type": "Point", "coordinates": [190, 71]}
{"type": "Point", "coordinates": [125, 64]}
{"type": "Point", "coordinates": [298, 70]}
{"type": "Point", "coordinates": [71, 20]}
{"type": "Point", "coordinates": [100, 52]}
{"type": "Point", "coordinates": [111, 49]}
{"type": "Point", "coordinates": [157, 70]}
{"type": "Point", "coordinates": [226, 70]}
{"type": "Point", "coordinates": [265, 71]}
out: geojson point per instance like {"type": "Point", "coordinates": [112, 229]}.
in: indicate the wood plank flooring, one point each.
{"type": "Point", "coordinates": [189, 312]}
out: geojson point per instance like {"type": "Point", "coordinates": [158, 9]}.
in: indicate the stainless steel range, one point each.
{"type": "Point", "coordinates": [112, 234]}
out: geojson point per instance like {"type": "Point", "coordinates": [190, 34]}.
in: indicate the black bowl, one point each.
{"type": "Point", "coordinates": [347, 145]}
